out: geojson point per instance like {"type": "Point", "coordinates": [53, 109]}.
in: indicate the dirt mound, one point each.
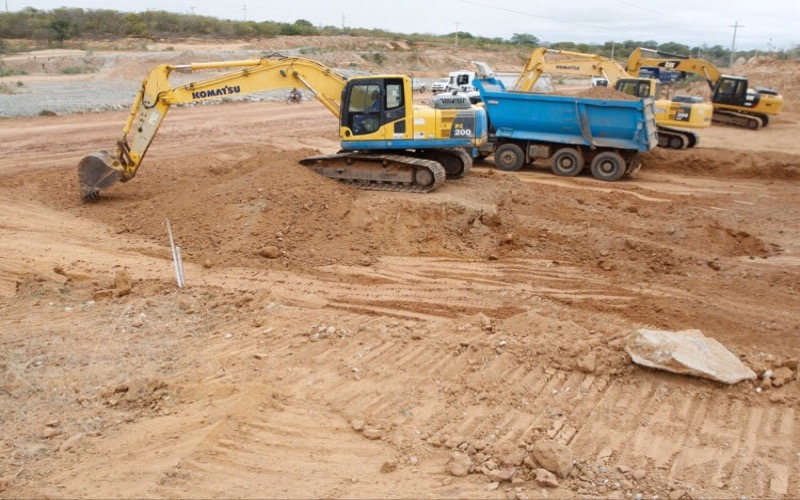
{"type": "Point", "coordinates": [734, 164]}
{"type": "Point", "coordinates": [602, 92]}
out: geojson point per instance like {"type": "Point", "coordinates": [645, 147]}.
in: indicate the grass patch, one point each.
{"type": "Point", "coordinates": [11, 72]}
{"type": "Point", "coordinates": [76, 70]}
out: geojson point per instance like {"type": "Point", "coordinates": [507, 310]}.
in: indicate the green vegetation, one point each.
{"type": "Point", "coordinates": [11, 72]}
{"type": "Point", "coordinates": [76, 70]}
{"type": "Point", "coordinates": [57, 26]}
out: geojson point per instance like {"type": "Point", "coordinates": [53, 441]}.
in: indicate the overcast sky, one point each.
{"type": "Point", "coordinates": [764, 24]}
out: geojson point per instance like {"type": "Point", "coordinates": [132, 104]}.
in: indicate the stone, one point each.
{"type": "Point", "coordinates": [123, 283]}
{"type": "Point", "coordinates": [372, 433]}
{"type": "Point", "coordinates": [686, 352]}
{"type": "Point", "coordinates": [270, 252]}
{"type": "Point", "coordinates": [546, 478]}
{"type": "Point", "coordinates": [70, 443]}
{"type": "Point", "coordinates": [553, 456]}
{"type": "Point", "coordinates": [459, 464]}
{"type": "Point", "coordinates": [588, 363]}
{"type": "Point", "coordinates": [503, 474]}
{"type": "Point", "coordinates": [389, 466]}
{"type": "Point", "coordinates": [782, 376]}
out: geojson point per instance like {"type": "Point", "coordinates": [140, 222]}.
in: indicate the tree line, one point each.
{"type": "Point", "coordinates": [57, 26]}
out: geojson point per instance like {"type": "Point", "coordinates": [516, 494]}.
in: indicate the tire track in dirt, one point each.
{"type": "Point", "coordinates": [676, 432]}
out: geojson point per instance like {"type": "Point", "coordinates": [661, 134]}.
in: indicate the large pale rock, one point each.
{"type": "Point", "coordinates": [687, 352]}
{"type": "Point", "coordinates": [554, 457]}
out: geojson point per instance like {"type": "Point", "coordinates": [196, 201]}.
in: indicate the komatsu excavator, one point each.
{"type": "Point", "coordinates": [735, 103]}
{"type": "Point", "coordinates": [387, 142]}
{"type": "Point", "coordinates": [672, 116]}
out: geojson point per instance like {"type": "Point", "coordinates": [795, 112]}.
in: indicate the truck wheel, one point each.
{"type": "Point", "coordinates": [509, 157]}
{"type": "Point", "coordinates": [567, 162]}
{"type": "Point", "coordinates": [608, 166]}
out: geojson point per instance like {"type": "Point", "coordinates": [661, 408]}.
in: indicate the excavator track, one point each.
{"type": "Point", "coordinates": [378, 171]}
{"type": "Point", "coordinates": [744, 120]}
{"type": "Point", "coordinates": [673, 138]}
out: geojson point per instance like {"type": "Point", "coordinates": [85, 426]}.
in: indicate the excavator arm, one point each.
{"type": "Point", "coordinates": [156, 95]}
{"type": "Point", "coordinates": [700, 67]}
{"type": "Point", "coordinates": [569, 63]}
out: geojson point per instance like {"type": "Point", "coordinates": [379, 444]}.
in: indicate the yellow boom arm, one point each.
{"type": "Point", "coordinates": [157, 95]}
{"type": "Point", "coordinates": [570, 63]}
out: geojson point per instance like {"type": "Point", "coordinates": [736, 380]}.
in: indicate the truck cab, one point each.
{"type": "Point", "coordinates": [461, 81]}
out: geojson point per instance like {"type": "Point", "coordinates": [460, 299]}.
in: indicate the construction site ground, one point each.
{"type": "Point", "coordinates": [339, 343]}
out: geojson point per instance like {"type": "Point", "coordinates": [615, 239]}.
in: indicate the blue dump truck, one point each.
{"type": "Point", "coordinates": [607, 135]}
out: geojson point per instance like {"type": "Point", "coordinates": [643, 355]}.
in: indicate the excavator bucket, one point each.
{"type": "Point", "coordinates": [97, 171]}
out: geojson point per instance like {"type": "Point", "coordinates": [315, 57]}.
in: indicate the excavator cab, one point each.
{"type": "Point", "coordinates": [639, 87]}
{"type": "Point", "coordinates": [369, 105]}
{"type": "Point", "coordinates": [731, 90]}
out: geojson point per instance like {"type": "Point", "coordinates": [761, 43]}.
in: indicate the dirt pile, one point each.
{"type": "Point", "coordinates": [602, 92]}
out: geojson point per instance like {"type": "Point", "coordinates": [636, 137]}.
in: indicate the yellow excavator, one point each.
{"type": "Point", "coordinates": [735, 103]}
{"type": "Point", "coordinates": [387, 141]}
{"type": "Point", "coordinates": [672, 116]}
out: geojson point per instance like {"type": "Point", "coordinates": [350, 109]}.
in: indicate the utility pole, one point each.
{"type": "Point", "coordinates": [244, 10]}
{"type": "Point", "coordinates": [456, 43]}
{"type": "Point", "coordinates": [735, 27]}
{"type": "Point", "coordinates": [343, 20]}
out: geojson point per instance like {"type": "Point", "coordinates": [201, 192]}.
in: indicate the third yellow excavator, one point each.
{"type": "Point", "coordinates": [735, 103]}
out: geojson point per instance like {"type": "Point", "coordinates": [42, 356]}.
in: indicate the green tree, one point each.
{"type": "Point", "coordinates": [61, 30]}
{"type": "Point", "coordinates": [524, 39]}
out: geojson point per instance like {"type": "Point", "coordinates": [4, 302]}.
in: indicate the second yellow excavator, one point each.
{"type": "Point", "coordinates": [735, 103]}
{"type": "Point", "coordinates": [673, 117]}
{"type": "Point", "coordinates": [387, 141]}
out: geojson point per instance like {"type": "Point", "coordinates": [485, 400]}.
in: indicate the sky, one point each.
{"type": "Point", "coordinates": [761, 24]}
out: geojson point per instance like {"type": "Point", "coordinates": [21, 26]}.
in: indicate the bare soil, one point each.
{"type": "Point", "coordinates": [339, 343]}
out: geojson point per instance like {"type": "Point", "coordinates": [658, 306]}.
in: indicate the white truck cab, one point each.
{"type": "Point", "coordinates": [461, 81]}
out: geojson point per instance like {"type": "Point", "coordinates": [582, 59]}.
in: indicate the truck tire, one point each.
{"type": "Point", "coordinates": [509, 157]}
{"type": "Point", "coordinates": [608, 166]}
{"type": "Point", "coordinates": [567, 162]}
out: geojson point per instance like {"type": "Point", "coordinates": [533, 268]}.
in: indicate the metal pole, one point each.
{"type": "Point", "coordinates": [735, 27]}
{"type": "Point", "coordinates": [456, 44]}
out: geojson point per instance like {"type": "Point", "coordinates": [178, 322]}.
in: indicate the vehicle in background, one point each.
{"type": "Point", "coordinates": [734, 102]}
{"type": "Point", "coordinates": [439, 85]}
{"type": "Point", "coordinates": [599, 81]}
{"type": "Point", "coordinates": [666, 76]}
{"type": "Point", "coordinates": [461, 81]}
{"type": "Point", "coordinates": [418, 85]}
{"type": "Point", "coordinates": [672, 117]}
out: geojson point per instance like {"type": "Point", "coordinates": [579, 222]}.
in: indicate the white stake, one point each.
{"type": "Point", "coordinates": [176, 257]}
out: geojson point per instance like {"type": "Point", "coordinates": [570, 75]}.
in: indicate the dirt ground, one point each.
{"type": "Point", "coordinates": [338, 343]}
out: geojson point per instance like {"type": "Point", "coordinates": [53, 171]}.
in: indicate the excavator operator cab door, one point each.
{"type": "Point", "coordinates": [731, 90]}
{"type": "Point", "coordinates": [370, 104]}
